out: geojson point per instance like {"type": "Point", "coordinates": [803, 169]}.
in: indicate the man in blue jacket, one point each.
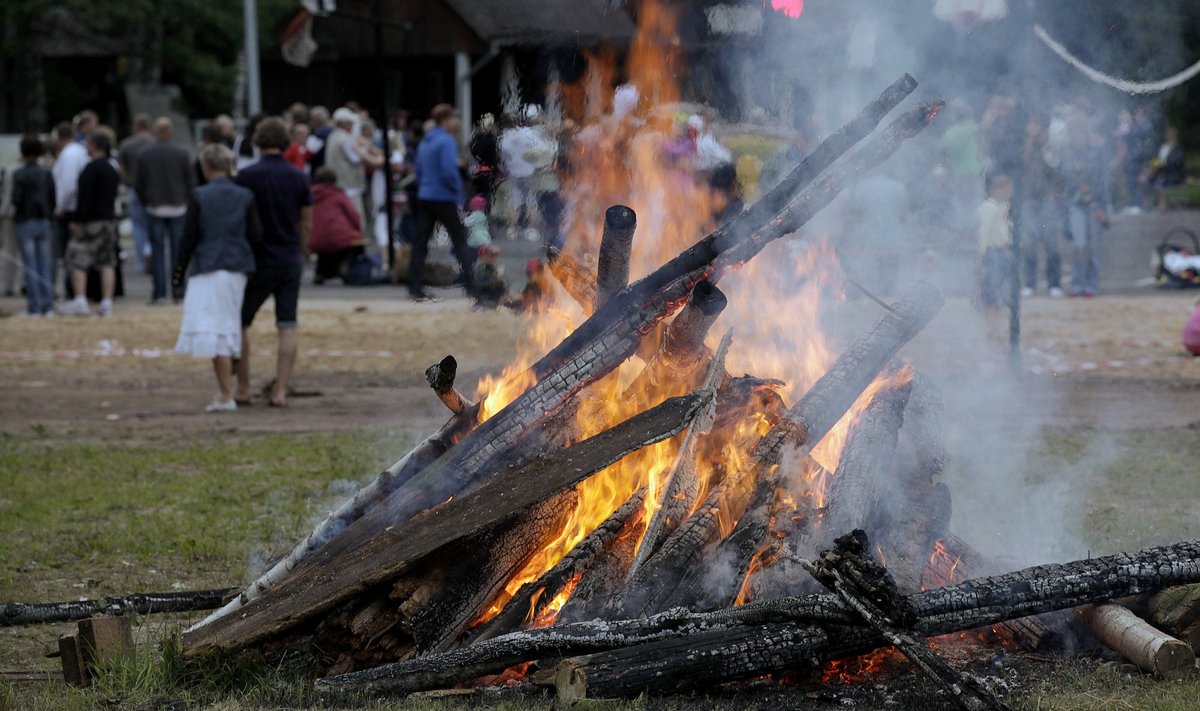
{"type": "Point", "coordinates": [439, 193]}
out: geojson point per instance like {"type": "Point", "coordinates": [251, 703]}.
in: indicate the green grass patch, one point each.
{"type": "Point", "coordinates": [1079, 687]}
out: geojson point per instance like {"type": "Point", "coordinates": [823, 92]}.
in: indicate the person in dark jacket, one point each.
{"type": "Point", "coordinates": [439, 193]}
{"type": "Point", "coordinates": [92, 227]}
{"type": "Point", "coordinates": [164, 181]}
{"type": "Point", "coordinates": [222, 223]}
{"type": "Point", "coordinates": [33, 208]}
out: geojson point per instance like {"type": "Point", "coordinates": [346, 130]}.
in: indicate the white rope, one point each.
{"type": "Point", "coordinates": [1129, 87]}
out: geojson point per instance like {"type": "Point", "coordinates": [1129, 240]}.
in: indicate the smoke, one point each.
{"type": "Point", "coordinates": [915, 218]}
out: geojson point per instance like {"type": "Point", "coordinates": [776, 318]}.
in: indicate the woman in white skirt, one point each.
{"type": "Point", "coordinates": [222, 221]}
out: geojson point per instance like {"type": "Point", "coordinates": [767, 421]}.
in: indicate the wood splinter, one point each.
{"type": "Point", "coordinates": [441, 378]}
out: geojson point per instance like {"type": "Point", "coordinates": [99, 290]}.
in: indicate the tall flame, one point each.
{"type": "Point", "coordinates": [775, 302]}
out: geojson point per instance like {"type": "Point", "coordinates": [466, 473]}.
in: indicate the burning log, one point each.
{"type": "Point", "coordinates": [866, 586]}
{"type": "Point", "coordinates": [1133, 638]}
{"type": "Point", "coordinates": [316, 588]}
{"type": "Point", "coordinates": [532, 599]}
{"type": "Point", "coordinates": [682, 485]}
{"type": "Point", "coordinates": [612, 271]}
{"type": "Point", "coordinates": [612, 334]}
{"type": "Point", "coordinates": [804, 425]}
{"type": "Point", "coordinates": [679, 651]}
{"type": "Point", "coordinates": [441, 378]}
{"type": "Point", "coordinates": [954, 560]}
{"type": "Point", "coordinates": [606, 577]}
{"type": "Point", "coordinates": [14, 614]}
{"type": "Point", "coordinates": [576, 279]}
{"type": "Point", "coordinates": [481, 576]}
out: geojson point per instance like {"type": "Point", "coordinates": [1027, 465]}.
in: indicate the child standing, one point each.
{"type": "Point", "coordinates": [222, 221]}
{"type": "Point", "coordinates": [477, 223]}
{"type": "Point", "coordinates": [490, 288]}
{"type": "Point", "coordinates": [995, 246]}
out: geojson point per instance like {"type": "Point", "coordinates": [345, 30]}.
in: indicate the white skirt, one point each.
{"type": "Point", "coordinates": [212, 315]}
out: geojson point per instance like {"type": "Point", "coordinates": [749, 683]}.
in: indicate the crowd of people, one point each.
{"type": "Point", "coordinates": [225, 227]}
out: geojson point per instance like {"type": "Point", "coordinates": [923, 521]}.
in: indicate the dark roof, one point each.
{"type": "Point", "coordinates": [545, 21]}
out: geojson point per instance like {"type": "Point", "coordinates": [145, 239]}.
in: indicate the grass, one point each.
{"type": "Point", "coordinates": [94, 518]}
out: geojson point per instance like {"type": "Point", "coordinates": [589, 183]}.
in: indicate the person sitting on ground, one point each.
{"type": "Point", "coordinates": [337, 228]}
{"type": "Point", "coordinates": [476, 221]}
{"type": "Point", "coordinates": [92, 228]}
{"type": "Point", "coordinates": [490, 287]}
{"type": "Point", "coordinates": [222, 223]}
{"type": "Point", "coordinates": [995, 247]}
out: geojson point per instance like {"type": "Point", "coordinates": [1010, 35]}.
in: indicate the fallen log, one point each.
{"type": "Point", "coordinates": [703, 660]}
{"type": "Point", "coordinates": [1177, 611]}
{"type": "Point", "coordinates": [616, 244]}
{"type": "Point", "coordinates": [968, 605]}
{"type": "Point", "coordinates": [316, 588]}
{"type": "Point", "coordinates": [14, 614]}
{"type": "Point", "coordinates": [1153, 652]}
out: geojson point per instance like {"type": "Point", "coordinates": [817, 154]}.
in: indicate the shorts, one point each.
{"type": "Point", "coordinates": [281, 282]}
{"type": "Point", "coordinates": [94, 246]}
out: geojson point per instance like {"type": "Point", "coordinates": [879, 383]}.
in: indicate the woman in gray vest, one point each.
{"type": "Point", "coordinates": [222, 221]}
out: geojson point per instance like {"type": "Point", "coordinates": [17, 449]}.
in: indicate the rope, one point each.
{"type": "Point", "coordinates": [1129, 87]}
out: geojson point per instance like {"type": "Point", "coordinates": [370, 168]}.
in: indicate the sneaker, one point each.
{"type": "Point", "coordinates": [1056, 293]}
{"type": "Point", "coordinates": [1027, 292]}
{"type": "Point", "coordinates": [219, 405]}
{"type": "Point", "coordinates": [75, 308]}
{"type": "Point", "coordinates": [425, 298]}
{"type": "Point", "coordinates": [105, 308]}
{"type": "Point", "coordinates": [157, 301]}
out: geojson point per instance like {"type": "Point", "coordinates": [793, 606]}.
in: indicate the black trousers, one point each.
{"type": "Point", "coordinates": [430, 212]}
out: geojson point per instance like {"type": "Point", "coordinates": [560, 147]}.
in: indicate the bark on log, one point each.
{"type": "Point", "coordinates": [480, 577]}
{"type": "Point", "coordinates": [328, 581]}
{"type": "Point", "coordinates": [523, 607]}
{"type": "Point", "coordinates": [1153, 652]}
{"type": "Point", "coordinates": [612, 268]}
{"type": "Point", "coordinates": [13, 614]}
{"type": "Point", "coordinates": [605, 578]}
{"type": "Point", "coordinates": [968, 605]}
{"type": "Point", "coordinates": [1176, 610]}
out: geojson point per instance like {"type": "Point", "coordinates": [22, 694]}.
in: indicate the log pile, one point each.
{"type": "Point", "coordinates": [706, 572]}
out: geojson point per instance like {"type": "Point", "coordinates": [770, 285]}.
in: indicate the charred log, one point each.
{"type": "Point", "coordinates": [681, 651]}
{"type": "Point", "coordinates": [441, 378]}
{"type": "Point", "coordinates": [612, 269]}
{"type": "Point", "coordinates": [576, 279]}
{"type": "Point", "coordinates": [13, 614]}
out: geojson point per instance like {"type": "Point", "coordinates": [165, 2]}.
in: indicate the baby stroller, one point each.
{"type": "Point", "coordinates": [1176, 260]}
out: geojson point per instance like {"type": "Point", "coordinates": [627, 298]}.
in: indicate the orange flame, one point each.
{"type": "Point", "coordinates": [775, 302]}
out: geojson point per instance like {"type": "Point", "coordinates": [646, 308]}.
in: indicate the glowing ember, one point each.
{"type": "Point", "coordinates": [791, 8]}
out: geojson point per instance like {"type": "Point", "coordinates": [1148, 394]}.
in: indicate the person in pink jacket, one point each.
{"type": "Point", "coordinates": [336, 230]}
{"type": "Point", "coordinates": [1191, 332]}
